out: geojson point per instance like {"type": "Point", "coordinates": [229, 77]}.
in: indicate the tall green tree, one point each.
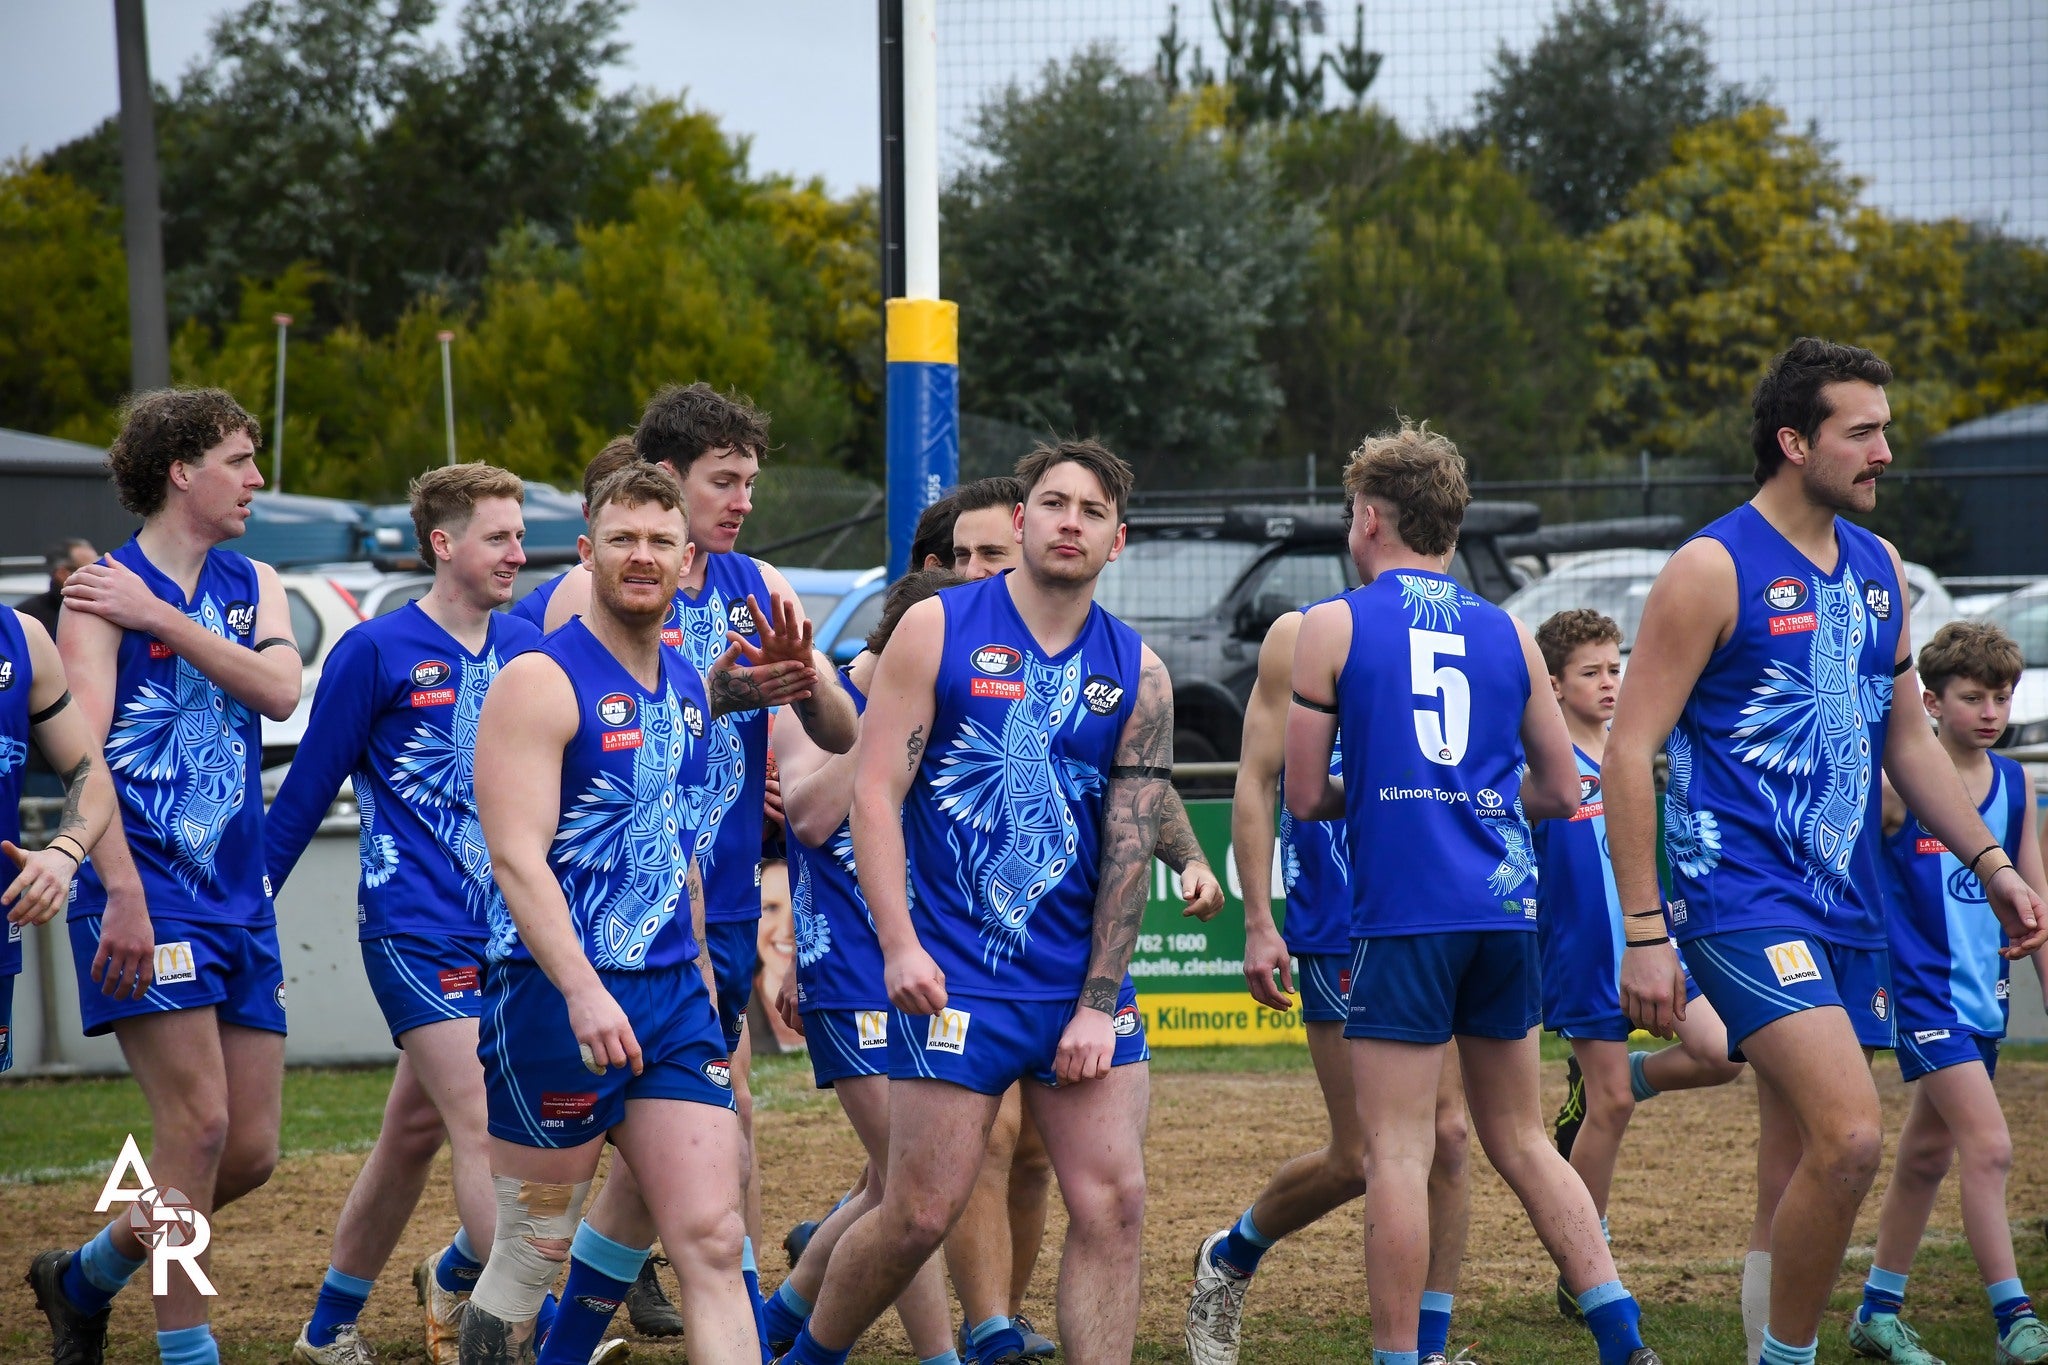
{"type": "Point", "coordinates": [1116, 266]}
{"type": "Point", "coordinates": [1437, 288]}
{"type": "Point", "coordinates": [1590, 109]}
{"type": "Point", "coordinates": [63, 306]}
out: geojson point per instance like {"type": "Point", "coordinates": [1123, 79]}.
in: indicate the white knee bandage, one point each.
{"type": "Point", "coordinates": [535, 1224]}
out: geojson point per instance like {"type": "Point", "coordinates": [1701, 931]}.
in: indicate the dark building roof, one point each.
{"type": "Point", "coordinates": [2012, 424]}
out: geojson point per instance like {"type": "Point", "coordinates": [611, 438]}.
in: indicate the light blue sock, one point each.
{"type": "Point", "coordinates": [1433, 1330]}
{"type": "Point", "coordinates": [1396, 1358]}
{"type": "Point", "coordinates": [601, 1271]}
{"type": "Point", "coordinates": [1605, 1235]}
{"type": "Point", "coordinates": [341, 1301]}
{"type": "Point", "coordinates": [188, 1346]}
{"type": "Point", "coordinates": [992, 1337]}
{"type": "Point", "coordinates": [1777, 1352]}
{"type": "Point", "coordinates": [96, 1273]}
{"type": "Point", "coordinates": [1242, 1246]}
{"type": "Point", "coordinates": [1638, 1083]}
{"type": "Point", "coordinates": [2009, 1303]}
{"type": "Point", "coordinates": [1884, 1291]}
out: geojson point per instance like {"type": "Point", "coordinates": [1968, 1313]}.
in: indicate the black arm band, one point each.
{"type": "Point", "coordinates": [52, 709]}
{"type": "Point", "coordinates": [1988, 848]}
{"type": "Point", "coordinates": [262, 645]}
{"type": "Point", "coordinates": [1902, 668]}
{"type": "Point", "coordinates": [1129, 770]}
{"type": "Point", "coordinates": [1317, 706]}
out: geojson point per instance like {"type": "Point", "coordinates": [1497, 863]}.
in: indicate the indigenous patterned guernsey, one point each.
{"type": "Point", "coordinates": [1773, 811]}
{"type": "Point", "coordinates": [1315, 874]}
{"type": "Point", "coordinates": [1430, 704]}
{"type": "Point", "coordinates": [838, 960]}
{"type": "Point", "coordinates": [1003, 822]}
{"type": "Point", "coordinates": [398, 706]}
{"type": "Point", "coordinates": [17, 679]}
{"type": "Point", "coordinates": [621, 850]}
{"type": "Point", "coordinates": [184, 756]}
{"type": "Point", "coordinates": [1944, 938]}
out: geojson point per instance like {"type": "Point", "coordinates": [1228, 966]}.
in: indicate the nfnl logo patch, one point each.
{"type": "Point", "coordinates": [1127, 1022]}
{"type": "Point", "coordinates": [241, 617]}
{"type": "Point", "coordinates": [1103, 695]}
{"type": "Point", "coordinates": [1785, 594]}
{"type": "Point", "coordinates": [1006, 689]}
{"type": "Point", "coordinates": [998, 661]}
{"type": "Point", "coordinates": [1799, 623]}
{"type": "Point", "coordinates": [718, 1071]}
{"type": "Point", "coordinates": [693, 719]}
{"type": "Point", "coordinates": [1792, 962]}
{"type": "Point", "coordinates": [430, 673]}
{"type": "Point", "coordinates": [616, 708]}
{"type": "Point", "coordinates": [739, 619]}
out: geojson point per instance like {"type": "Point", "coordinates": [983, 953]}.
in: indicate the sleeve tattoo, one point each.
{"type": "Point", "coordinates": [733, 691]}
{"type": "Point", "coordinates": [1130, 831]}
{"type": "Point", "coordinates": [1177, 843]}
{"type": "Point", "coordinates": [74, 790]}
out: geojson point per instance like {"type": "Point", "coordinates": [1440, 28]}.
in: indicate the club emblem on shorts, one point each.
{"type": "Point", "coordinates": [6, 673]}
{"type": "Point", "coordinates": [430, 673]}
{"type": "Point", "coordinates": [175, 963]}
{"type": "Point", "coordinates": [1881, 1004]}
{"type": "Point", "coordinates": [1785, 594]}
{"type": "Point", "coordinates": [718, 1071]}
{"type": "Point", "coordinates": [1962, 885]}
{"type": "Point", "coordinates": [1879, 600]}
{"type": "Point", "coordinates": [1102, 695]}
{"type": "Point", "coordinates": [1127, 1022]}
{"type": "Point", "coordinates": [616, 709]}
{"type": "Point", "coordinates": [241, 617]}
{"type": "Point", "coordinates": [998, 661]}
{"type": "Point", "coordinates": [1792, 962]}
{"type": "Point", "coordinates": [948, 1032]}
{"type": "Point", "coordinates": [693, 719]}
{"type": "Point", "coordinates": [2003, 990]}
{"type": "Point", "coordinates": [278, 995]}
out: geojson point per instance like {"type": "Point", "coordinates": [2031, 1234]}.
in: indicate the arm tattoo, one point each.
{"type": "Point", "coordinates": [695, 882]}
{"type": "Point", "coordinates": [1131, 812]}
{"type": "Point", "coordinates": [732, 690]}
{"type": "Point", "coordinates": [74, 788]}
{"type": "Point", "coordinates": [913, 748]}
{"type": "Point", "coordinates": [1177, 843]}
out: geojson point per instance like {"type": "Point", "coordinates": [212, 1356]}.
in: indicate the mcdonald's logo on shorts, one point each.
{"type": "Point", "coordinates": [948, 1032]}
{"type": "Point", "coordinates": [1792, 962]}
{"type": "Point", "coordinates": [175, 963]}
{"type": "Point", "coordinates": [873, 1026]}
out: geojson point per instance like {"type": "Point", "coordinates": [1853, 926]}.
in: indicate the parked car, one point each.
{"type": "Point", "coordinates": [2024, 616]}
{"type": "Point", "coordinates": [321, 610]}
{"type": "Point", "coordinates": [1202, 586]}
{"type": "Point", "coordinates": [1615, 582]}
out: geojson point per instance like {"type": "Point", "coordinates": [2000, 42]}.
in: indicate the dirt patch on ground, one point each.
{"type": "Point", "coordinates": [1682, 1208]}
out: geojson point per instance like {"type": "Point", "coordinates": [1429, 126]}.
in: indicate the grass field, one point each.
{"type": "Point", "coordinates": [1681, 1214]}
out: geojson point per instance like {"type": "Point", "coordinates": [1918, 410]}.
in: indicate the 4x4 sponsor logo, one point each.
{"type": "Point", "coordinates": [6, 673]}
{"type": "Point", "coordinates": [1878, 600]}
{"type": "Point", "coordinates": [739, 619]}
{"type": "Point", "coordinates": [241, 617]}
{"type": "Point", "coordinates": [1102, 694]}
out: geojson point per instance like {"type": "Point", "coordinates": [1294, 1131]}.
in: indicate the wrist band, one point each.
{"type": "Point", "coordinates": [1644, 914]}
{"type": "Point", "coordinates": [1988, 848]}
{"type": "Point", "coordinates": [75, 858]}
{"type": "Point", "coordinates": [1645, 942]}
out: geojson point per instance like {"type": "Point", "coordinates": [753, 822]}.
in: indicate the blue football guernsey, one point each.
{"type": "Point", "coordinates": [838, 957]}
{"type": "Point", "coordinates": [1430, 703]}
{"type": "Point", "coordinates": [533, 608]}
{"type": "Point", "coordinates": [1315, 874]}
{"type": "Point", "coordinates": [621, 848]}
{"type": "Point", "coordinates": [397, 708]}
{"type": "Point", "coordinates": [1773, 813]}
{"type": "Point", "coordinates": [187, 760]}
{"type": "Point", "coordinates": [1003, 821]}
{"type": "Point", "coordinates": [1946, 971]}
{"type": "Point", "coordinates": [726, 811]}
{"type": "Point", "coordinates": [1578, 921]}
{"type": "Point", "coordinates": [17, 680]}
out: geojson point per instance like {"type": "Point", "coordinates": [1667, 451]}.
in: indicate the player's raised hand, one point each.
{"type": "Point", "coordinates": [602, 1030]}
{"type": "Point", "coordinates": [734, 684]}
{"type": "Point", "coordinates": [114, 592]}
{"type": "Point", "coordinates": [785, 632]}
{"type": "Point", "coordinates": [1653, 987]}
{"type": "Point", "coordinates": [1087, 1046]}
{"type": "Point", "coordinates": [915, 983]}
{"type": "Point", "coordinates": [2020, 913]}
{"type": "Point", "coordinates": [1202, 892]}
{"type": "Point", "coordinates": [42, 886]}
{"type": "Point", "coordinates": [1265, 957]}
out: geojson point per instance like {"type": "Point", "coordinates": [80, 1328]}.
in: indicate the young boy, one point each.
{"type": "Point", "coordinates": [1579, 934]}
{"type": "Point", "coordinates": [1951, 985]}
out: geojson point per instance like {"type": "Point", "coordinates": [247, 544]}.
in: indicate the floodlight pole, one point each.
{"type": "Point", "coordinates": [448, 391]}
{"type": "Point", "coordinates": [284, 322]}
{"type": "Point", "coordinates": [149, 336]}
{"type": "Point", "coordinates": [921, 330]}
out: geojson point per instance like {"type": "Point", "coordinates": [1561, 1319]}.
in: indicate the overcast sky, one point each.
{"type": "Point", "coordinates": [1942, 105]}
